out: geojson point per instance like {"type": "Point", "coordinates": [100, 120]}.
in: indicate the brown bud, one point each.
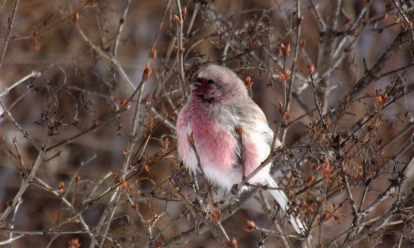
{"type": "Point", "coordinates": [282, 48]}
{"type": "Point", "coordinates": [154, 54]}
{"type": "Point", "coordinates": [76, 17]}
{"type": "Point", "coordinates": [310, 180]}
{"type": "Point", "coordinates": [282, 78]}
{"type": "Point", "coordinates": [326, 215]}
{"type": "Point", "coordinates": [123, 103]}
{"type": "Point", "coordinates": [311, 68]}
{"type": "Point", "coordinates": [250, 226]}
{"type": "Point", "coordinates": [61, 188]}
{"type": "Point", "coordinates": [216, 215]}
{"type": "Point", "coordinates": [337, 218]}
{"type": "Point", "coordinates": [326, 171]}
{"type": "Point", "coordinates": [74, 243]}
{"type": "Point", "coordinates": [124, 184]}
{"type": "Point", "coordinates": [184, 12]}
{"type": "Point", "coordinates": [234, 242]}
{"type": "Point", "coordinates": [238, 130]}
{"type": "Point", "coordinates": [190, 139]}
{"type": "Point", "coordinates": [146, 74]}
{"type": "Point", "coordinates": [248, 82]}
{"type": "Point", "coordinates": [176, 19]}
{"type": "Point", "coordinates": [287, 51]}
{"type": "Point", "coordinates": [160, 104]}
{"type": "Point", "coordinates": [287, 73]}
{"type": "Point", "coordinates": [280, 106]}
{"type": "Point", "coordinates": [382, 99]}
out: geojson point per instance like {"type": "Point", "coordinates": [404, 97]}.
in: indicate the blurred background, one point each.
{"type": "Point", "coordinates": [69, 68]}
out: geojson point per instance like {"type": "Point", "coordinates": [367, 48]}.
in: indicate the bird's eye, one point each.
{"type": "Point", "coordinates": [210, 81]}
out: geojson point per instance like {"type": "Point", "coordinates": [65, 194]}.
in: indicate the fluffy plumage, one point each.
{"type": "Point", "coordinates": [218, 103]}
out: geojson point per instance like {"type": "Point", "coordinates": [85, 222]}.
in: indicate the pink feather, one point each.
{"type": "Point", "coordinates": [219, 103]}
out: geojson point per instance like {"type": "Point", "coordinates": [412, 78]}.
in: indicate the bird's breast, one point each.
{"type": "Point", "coordinates": [214, 143]}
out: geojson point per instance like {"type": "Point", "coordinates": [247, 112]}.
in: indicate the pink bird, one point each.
{"type": "Point", "coordinates": [218, 103]}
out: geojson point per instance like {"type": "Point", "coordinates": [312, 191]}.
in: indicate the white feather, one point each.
{"type": "Point", "coordinates": [284, 203]}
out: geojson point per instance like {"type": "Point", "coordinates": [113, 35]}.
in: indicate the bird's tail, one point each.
{"type": "Point", "coordinates": [284, 203]}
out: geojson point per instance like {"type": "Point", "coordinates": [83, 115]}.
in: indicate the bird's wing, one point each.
{"type": "Point", "coordinates": [252, 118]}
{"type": "Point", "coordinates": [254, 123]}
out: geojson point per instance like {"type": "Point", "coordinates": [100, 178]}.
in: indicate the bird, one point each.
{"type": "Point", "coordinates": [217, 104]}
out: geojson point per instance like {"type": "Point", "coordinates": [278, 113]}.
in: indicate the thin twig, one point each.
{"type": "Point", "coordinates": [8, 33]}
{"type": "Point", "coordinates": [33, 74]}
{"type": "Point", "coordinates": [120, 27]}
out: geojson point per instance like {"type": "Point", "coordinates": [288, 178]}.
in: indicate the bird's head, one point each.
{"type": "Point", "coordinates": [217, 84]}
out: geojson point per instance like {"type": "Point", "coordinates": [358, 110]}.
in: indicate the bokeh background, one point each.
{"type": "Point", "coordinates": [88, 57]}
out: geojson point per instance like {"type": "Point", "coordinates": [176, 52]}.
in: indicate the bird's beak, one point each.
{"type": "Point", "coordinates": [194, 84]}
